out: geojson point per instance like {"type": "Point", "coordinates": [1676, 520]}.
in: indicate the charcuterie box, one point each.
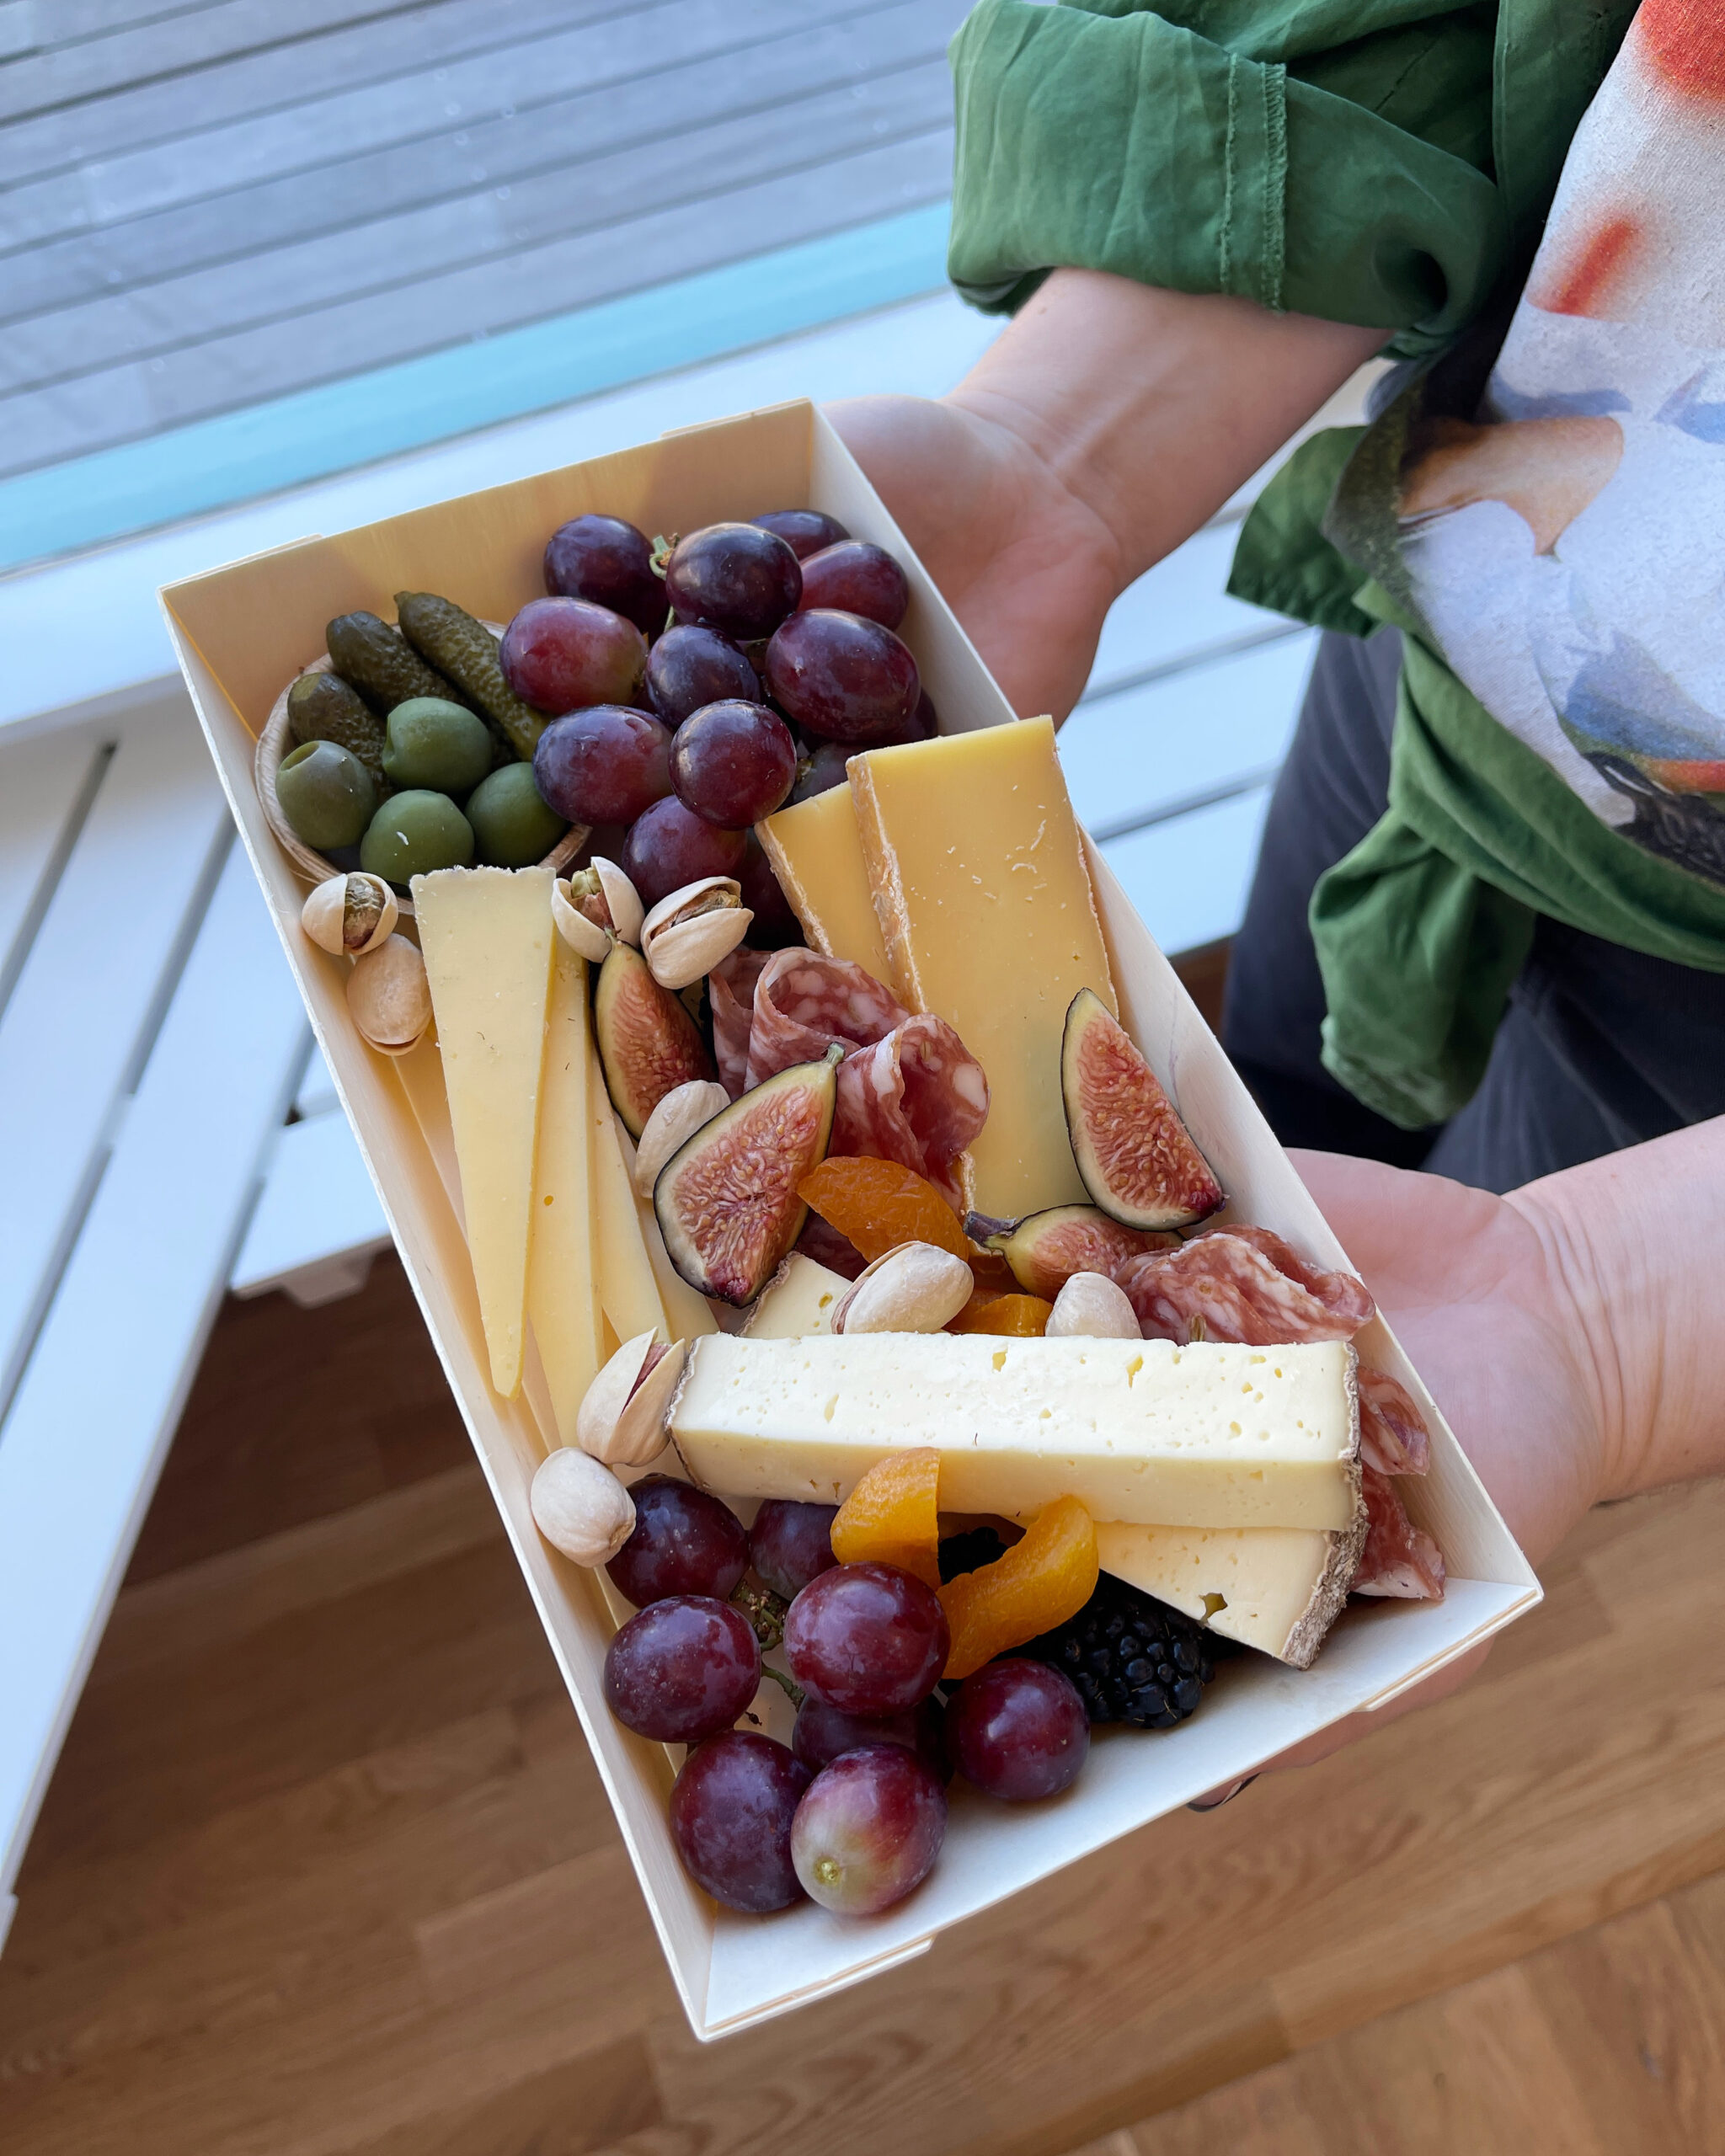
{"type": "Point", "coordinates": [241, 632]}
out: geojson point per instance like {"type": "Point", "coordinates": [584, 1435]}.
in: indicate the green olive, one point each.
{"type": "Point", "coordinates": [326, 794]}
{"type": "Point", "coordinates": [512, 826]}
{"type": "Point", "coordinates": [412, 834]}
{"type": "Point", "coordinates": [434, 743]}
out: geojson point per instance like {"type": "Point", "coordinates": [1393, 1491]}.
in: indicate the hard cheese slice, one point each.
{"type": "Point", "coordinates": [486, 935]}
{"type": "Point", "coordinates": [796, 1302]}
{"type": "Point", "coordinates": [1138, 1430]}
{"type": "Point", "coordinates": [563, 1297]}
{"type": "Point", "coordinates": [979, 883]}
{"type": "Point", "coordinates": [1276, 1588]}
{"type": "Point", "coordinates": [629, 1294]}
{"type": "Point", "coordinates": [816, 853]}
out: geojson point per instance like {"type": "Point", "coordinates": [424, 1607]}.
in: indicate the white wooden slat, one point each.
{"type": "Point", "coordinates": [45, 785]}
{"type": "Point", "coordinates": [317, 1224]}
{"type": "Point", "coordinates": [1178, 612]}
{"type": "Point", "coordinates": [87, 990]}
{"type": "Point", "coordinates": [1188, 878]}
{"type": "Point", "coordinates": [92, 1416]}
{"type": "Point", "coordinates": [1130, 755]}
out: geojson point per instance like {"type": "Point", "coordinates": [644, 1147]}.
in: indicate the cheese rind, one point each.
{"type": "Point", "coordinates": [563, 1297]}
{"type": "Point", "coordinates": [797, 1302]}
{"type": "Point", "coordinates": [989, 921]}
{"type": "Point", "coordinates": [486, 936]}
{"type": "Point", "coordinates": [816, 850]}
{"type": "Point", "coordinates": [1276, 1588]}
{"type": "Point", "coordinates": [1210, 1435]}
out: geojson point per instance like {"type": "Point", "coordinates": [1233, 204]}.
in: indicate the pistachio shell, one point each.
{"type": "Point", "coordinates": [621, 1419]}
{"type": "Point", "coordinates": [621, 897]}
{"type": "Point", "coordinates": [914, 1288]}
{"type": "Point", "coordinates": [584, 936]}
{"type": "Point", "coordinates": [351, 915]}
{"type": "Point", "coordinates": [678, 1116]}
{"type": "Point", "coordinates": [1091, 1305]}
{"type": "Point", "coordinates": [389, 998]}
{"type": "Point", "coordinates": [708, 895]}
{"type": "Point", "coordinates": [580, 1508]}
{"type": "Point", "coordinates": [687, 951]}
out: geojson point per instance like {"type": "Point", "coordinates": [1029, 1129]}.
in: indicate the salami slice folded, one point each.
{"type": "Point", "coordinates": [1399, 1559]}
{"type": "Point", "coordinates": [1242, 1285]}
{"type": "Point", "coordinates": [731, 987]}
{"type": "Point", "coordinates": [1393, 1437]}
{"type": "Point", "coordinates": [909, 1089]}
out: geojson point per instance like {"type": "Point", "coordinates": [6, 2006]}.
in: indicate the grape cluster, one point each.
{"type": "Point", "coordinates": [695, 691]}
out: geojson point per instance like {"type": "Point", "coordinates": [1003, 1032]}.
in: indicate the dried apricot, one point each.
{"type": "Point", "coordinates": [1019, 1317]}
{"type": "Point", "coordinates": [891, 1518]}
{"type": "Point", "coordinates": [1041, 1582]}
{"type": "Point", "coordinates": [878, 1205]}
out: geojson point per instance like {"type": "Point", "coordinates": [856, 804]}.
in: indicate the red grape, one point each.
{"type": "Point", "coordinates": [869, 1829]}
{"type": "Point", "coordinates": [690, 667]}
{"type": "Point", "coordinates": [734, 577]}
{"type": "Point", "coordinates": [604, 559]}
{"type": "Point", "coordinates": [825, 770]}
{"type": "Point", "coordinates": [669, 846]}
{"type": "Point", "coordinates": [790, 1543]}
{"type": "Point", "coordinates": [565, 655]}
{"type": "Point", "coordinates": [805, 532]}
{"type": "Point", "coordinates": [731, 1809]}
{"type": "Point", "coordinates": [822, 1733]}
{"type": "Point", "coordinates": [732, 763]}
{"type": "Point", "coordinates": [682, 1669]}
{"type": "Point", "coordinates": [775, 924]}
{"type": "Point", "coordinates": [857, 578]}
{"type": "Point", "coordinates": [843, 678]}
{"type": "Point", "coordinates": [1018, 1730]}
{"type": "Point", "coordinates": [869, 1639]}
{"type": "Point", "coordinates": [684, 1542]}
{"type": "Point", "coordinates": [605, 765]}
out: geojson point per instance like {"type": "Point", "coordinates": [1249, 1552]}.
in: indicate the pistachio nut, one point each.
{"type": "Point", "coordinates": [584, 935]}
{"type": "Point", "coordinates": [580, 1508]}
{"type": "Point", "coordinates": [916, 1288]}
{"type": "Point", "coordinates": [389, 998]}
{"type": "Point", "coordinates": [678, 1117]}
{"type": "Point", "coordinates": [621, 1419]}
{"type": "Point", "coordinates": [351, 915]}
{"type": "Point", "coordinates": [687, 934]}
{"type": "Point", "coordinates": [1093, 1306]}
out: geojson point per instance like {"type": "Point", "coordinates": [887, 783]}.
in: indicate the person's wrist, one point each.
{"type": "Point", "coordinates": [1590, 1332]}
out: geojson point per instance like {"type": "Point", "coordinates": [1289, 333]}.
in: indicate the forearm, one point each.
{"type": "Point", "coordinates": [1636, 1244]}
{"type": "Point", "coordinates": [1151, 407]}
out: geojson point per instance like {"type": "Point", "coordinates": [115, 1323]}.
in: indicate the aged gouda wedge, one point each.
{"type": "Point", "coordinates": [799, 1300]}
{"type": "Point", "coordinates": [563, 1299]}
{"type": "Point", "coordinates": [486, 935]}
{"type": "Point", "coordinates": [1276, 1588]}
{"type": "Point", "coordinates": [816, 853]}
{"type": "Point", "coordinates": [1139, 1430]}
{"type": "Point", "coordinates": [985, 905]}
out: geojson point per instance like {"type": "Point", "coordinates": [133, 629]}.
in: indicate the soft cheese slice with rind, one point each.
{"type": "Point", "coordinates": [486, 936]}
{"type": "Point", "coordinates": [1276, 1588]}
{"type": "Point", "coordinates": [1142, 1431]}
{"type": "Point", "coordinates": [797, 1302]}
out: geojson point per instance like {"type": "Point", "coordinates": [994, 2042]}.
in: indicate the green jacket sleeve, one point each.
{"type": "Point", "coordinates": [1331, 161]}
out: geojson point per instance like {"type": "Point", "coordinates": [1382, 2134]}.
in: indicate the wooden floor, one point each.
{"type": "Point", "coordinates": [205, 205]}
{"type": "Point", "coordinates": [325, 1870]}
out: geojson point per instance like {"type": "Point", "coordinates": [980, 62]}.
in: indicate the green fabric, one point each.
{"type": "Point", "coordinates": [1283, 560]}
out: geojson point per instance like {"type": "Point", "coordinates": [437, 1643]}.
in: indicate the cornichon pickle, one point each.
{"type": "Point", "coordinates": [324, 707]}
{"type": "Point", "coordinates": [380, 663]}
{"type": "Point", "coordinates": [466, 652]}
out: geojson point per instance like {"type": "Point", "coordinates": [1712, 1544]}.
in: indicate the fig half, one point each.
{"type": "Point", "coordinates": [1044, 1250]}
{"type": "Point", "coordinates": [1136, 1157]}
{"type": "Point", "coordinates": [648, 1045]}
{"type": "Point", "coordinates": [727, 1198]}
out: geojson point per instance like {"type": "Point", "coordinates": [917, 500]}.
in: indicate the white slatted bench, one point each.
{"type": "Point", "coordinates": [151, 1046]}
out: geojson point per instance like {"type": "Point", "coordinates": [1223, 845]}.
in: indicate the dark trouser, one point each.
{"type": "Point", "coordinates": [1600, 1047]}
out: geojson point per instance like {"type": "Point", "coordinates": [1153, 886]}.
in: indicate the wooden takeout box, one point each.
{"type": "Point", "coordinates": [241, 634]}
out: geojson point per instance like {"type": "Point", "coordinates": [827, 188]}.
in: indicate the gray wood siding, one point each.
{"type": "Point", "coordinates": [204, 207]}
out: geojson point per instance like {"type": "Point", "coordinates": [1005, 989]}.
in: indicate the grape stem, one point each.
{"type": "Point", "coordinates": [765, 1613]}
{"type": "Point", "coordinates": [791, 1689]}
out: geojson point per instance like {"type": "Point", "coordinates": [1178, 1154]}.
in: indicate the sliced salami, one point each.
{"type": "Point", "coordinates": [804, 1002]}
{"type": "Point", "coordinates": [1399, 1559]}
{"type": "Point", "coordinates": [1242, 1285]}
{"type": "Point", "coordinates": [731, 988]}
{"type": "Point", "coordinates": [1393, 1437]}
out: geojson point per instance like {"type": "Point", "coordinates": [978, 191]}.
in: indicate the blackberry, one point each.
{"type": "Point", "coordinates": [970, 1552]}
{"type": "Point", "coordinates": [1133, 1658]}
